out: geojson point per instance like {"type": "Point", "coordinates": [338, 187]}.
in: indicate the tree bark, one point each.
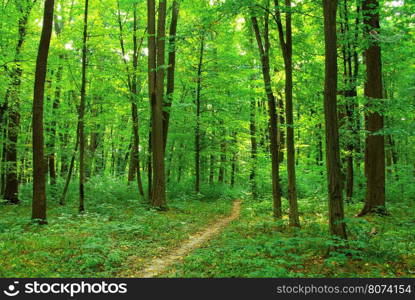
{"type": "Point", "coordinates": [39, 184]}
{"type": "Point", "coordinates": [170, 71]}
{"type": "Point", "coordinates": [336, 211]}
{"type": "Point", "coordinates": [11, 191]}
{"type": "Point", "coordinates": [375, 142]}
{"type": "Point", "coordinates": [197, 127]}
{"type": "Point", "coordinates": [272, 112]}
{"type": "Point", "coordinates": [71, 167]}
{"type": "Point", "coordinates": [286, 49]}
{"type": "Point", "coordinates": [156, 92]}
{"type": "Point", "coordinates": [254, 149]}
{"type": "Point", "coordinates": [134, 167]}
{"type": "Point", "coordinates": [82, 113]}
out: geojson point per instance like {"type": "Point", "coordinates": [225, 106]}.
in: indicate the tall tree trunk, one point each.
{"type": "Point", "coordinates": [156, 92]}
{"type": "Point", "coordinates": [170, 70]}
{"type": "Point", "coordinates": [134, 167]}
{"type": "Point", "coordinates": [11, 192]}
{"type": "Point", "coordinates": [350, 91]}
{"type": "Point", "coordinates": [254, 149]}
{"type": "Point", "coordinates": [286, 49]}
{"type": "Point", "coordinates": [197, 127]}
{"type": "Point", "coordinates": [39, 184]}
{"type": "Point", "coordinates": [375, 142]}
{"type": "Point", "coordinates": [273, 120]}
{"type": "Point", "coordinates": [82, 113]}
{"type": "Point", "coordinates": [55, 106]}
{"type": "Point", "coordinates": [134, 109]}
{"type": "Point", "coordinates": [56, 102]}
{"type": "Point", "coordinates": [336, 211]}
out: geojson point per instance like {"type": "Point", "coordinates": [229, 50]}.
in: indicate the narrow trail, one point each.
{"type": "Point", "coordinates": [159, 265]}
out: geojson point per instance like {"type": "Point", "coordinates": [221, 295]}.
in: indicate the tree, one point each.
{"type": "Point", "coordinates": [82, 112]}
{"type": "Point", "coordinates": [156, 47]}
{"type": "Point", "coordinates": [170, 70]}
{"type": "Point", "coordinates": [39, 184]}
{"type": "Point", "coordinates": [197, 102]}
{"type": "Point", "coordinates": [336, 211]}
{"type": "Point", "coordinates": [375, 141]}
{"type": "Point", "coordinates": [12, 103]}
{"type": "Point", "coordinates": [287, 52]}
{"type": "Point", "coordinates": [263, 48]}
{"type": "Point", "coordinates": [132, 82]}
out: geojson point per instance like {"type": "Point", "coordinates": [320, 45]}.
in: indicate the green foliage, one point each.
{"type": "Point", "coordinates": [257, 246]}
{"type": "Point", "coordinates": [99, 242]}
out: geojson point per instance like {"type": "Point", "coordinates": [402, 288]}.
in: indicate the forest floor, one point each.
{"type": "Point", "coordinates": [158, 266]}
{"type": "Point", "coordinates": [255, 245]}
{"type": "Point", "coordinates": [100, 242]}
{"type": "Point", "coordinates": [203, 236]}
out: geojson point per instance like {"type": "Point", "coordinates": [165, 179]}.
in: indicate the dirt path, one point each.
{"type": "Point", "coordinates": [158, 266]}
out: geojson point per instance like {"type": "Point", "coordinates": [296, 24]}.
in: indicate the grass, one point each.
{"type": "Point", "coordinates": [255, 245]}
{"type": "Point", "coordinates": [115, 228]}
{"type": "Point", "coordinates": [118, 234]}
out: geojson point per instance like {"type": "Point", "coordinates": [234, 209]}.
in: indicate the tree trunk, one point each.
{"type": "Point", "coordinates": [134, 167]}
{"type": "Point", "coordinates": [71, 167]}
{"type": "Point", "coordinates": [211, 168]}
{"type": "Point", "coordinates": [234, 158]}
{"type": "Point", "coordinates": [39, 184]}
{"type": "Point", "coordinates": [156, 92]}
{"type": "Point", "coordinates": [336, 211]}
{"type": "Point", "coordinates": [197, 127]}
{"type": "Point", "coordinates": [11, 192]}
{"type": "Point", "coordinates": [286, 49]}
{"type": "Point", "coordinates": [222, 166]}
{"type": "Point", "coordinates": [273, 120]}
{"type": "Point", "coordinates": [170, 71]}
{"type": "Point", "coordinates": [254, 149]}
{"type": "Point", "coordinates": [375, 142]}
{"type": "Point", "coordinates": [82, 113]}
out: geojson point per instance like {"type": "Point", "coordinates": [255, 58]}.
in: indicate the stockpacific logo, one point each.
{"type": "Point", "coordinates": [11, 290]}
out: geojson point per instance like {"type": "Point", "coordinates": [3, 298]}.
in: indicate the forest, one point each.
{"type": "Point", "coordinates": [207, 138]}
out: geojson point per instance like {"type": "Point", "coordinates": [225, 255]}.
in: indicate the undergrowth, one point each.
{"type": "Point", "coordinates": [100, 242]}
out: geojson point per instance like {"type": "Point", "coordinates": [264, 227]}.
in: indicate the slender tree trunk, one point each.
{"type": "Point", "coordinates": [149, 167]}
{"type": "Point", "coordinates": [134, 167]}
{"type": "Point", "coordinates": [254, 149]}
{"type": "Point", "coordinates": [234, 158]}
{"type": "Point", "coordinates": [55, 106]}
{"type": "Point", "coordinates": [222, 166]}
{"type": "Point", "coordinates": [170, 71]}
{"type": "Point", "coordinates": [56, 102]}
{"type": "Point", "coordinates": [11, 192]}
{"type": "Point", "coordinates": [336, 211]}
{"type": "Point", "coordinates": [375, 142]}
{"type": "Point", "coordinates": [350, 91]}
{"type": "Point", "coordinates": [39, 184]}
{"type": "Point", "coordinates": [211, 168]}
{"type": "Point", "coordinates": [286, 48]}
{"type": "Point", "coordinates": [82, 113]}
{"type": "Point", "coordinates": [273, 120]}
{"type": "Point", "coordinates": [71, 167]}
{"type": "Point", "coordinates": [197, 128]}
